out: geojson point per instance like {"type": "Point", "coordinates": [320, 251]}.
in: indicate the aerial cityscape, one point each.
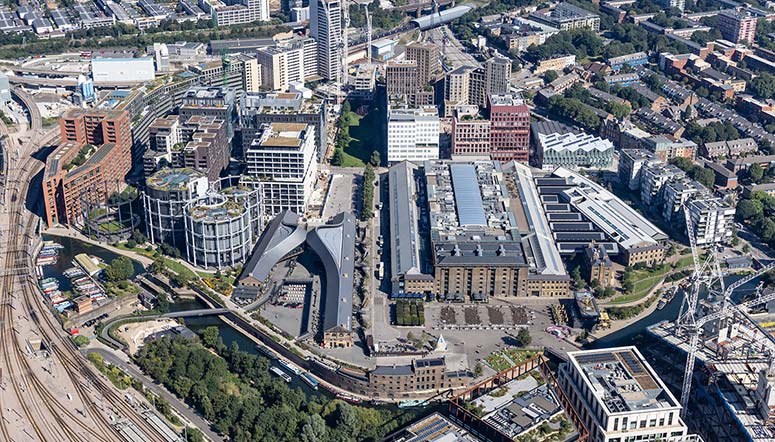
{"type": "Point", "coordinates": [387, 220]}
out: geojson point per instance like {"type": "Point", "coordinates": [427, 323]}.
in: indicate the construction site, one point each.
{"type": "Point", "coordinates": [730, 394]}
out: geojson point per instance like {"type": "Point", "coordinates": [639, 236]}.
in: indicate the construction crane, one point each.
{"type": "Point", "coordinates": [225, 66]}
{"type": "Point", "coordinates": [340, 42]}
{"type": "Point", "coordinates": [345, 44]}
{"type": "Point", "coordinates": [368, 32]}
{"type": "Point", "coordinates": [708, 274]}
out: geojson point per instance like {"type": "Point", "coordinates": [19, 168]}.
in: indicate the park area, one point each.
{"type": "Point", "coordinates": [508, 358]}
{"type": "Point", "coordinates": [641, 282]}
{"type": "Point", "coordinates": [359, 135]}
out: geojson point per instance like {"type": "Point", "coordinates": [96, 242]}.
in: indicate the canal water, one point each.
{"type": "Point", "coordinates": [74, 247]}
{"type": "Point", "coordinates": [668, 313]}
{"type": "Point", "coordinates": [229, 335]}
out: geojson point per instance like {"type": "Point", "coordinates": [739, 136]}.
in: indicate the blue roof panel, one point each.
{"type": "Point", "coordinates": [468, 199]}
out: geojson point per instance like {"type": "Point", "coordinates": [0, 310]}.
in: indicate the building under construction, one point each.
{"type": "Point", "coordinates": [734, 399]}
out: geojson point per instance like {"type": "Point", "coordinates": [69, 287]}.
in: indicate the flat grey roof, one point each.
{"type": "Point", "coordinates": [551, 127]}
{"type": "Point", "coordinates": [621, 380]}
{"type": "Point", "coordinates": [404, 250]}
{"type": "Point", "coordinates": [547, 256]}
{"type": "Point", "coordinates": [468, 199]}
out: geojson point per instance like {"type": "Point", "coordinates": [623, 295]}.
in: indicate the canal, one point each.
{"type": "Point", "coordinates": [668, 313]}
{"type": "Point", "coordinates": [229, 335]}
{"type": "Point", "coordinates": [73, 247]}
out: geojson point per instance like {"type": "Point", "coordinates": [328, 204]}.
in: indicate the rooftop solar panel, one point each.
{"type": "Point", "coordinates": [563, 216]}
{"type": "Point", "coordinates": [632, 362]}
{"type": "Point", "coordinates": [579, 236]}
{"type": "Point", "coordinates": [573, 227]}
{"type": "Point", "coordinates": [551, 181]}
{"type": "Point", "coordinates": [551, 190]}
{"type": "Point", "coordinates": [595, 358]}
{"type": "Point", "coordinates": [549, 198]}
{"type": "Point", "coordinates": [557, 207]}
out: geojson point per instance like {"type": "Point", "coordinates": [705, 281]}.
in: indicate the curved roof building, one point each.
{"type": "Point", "coordinates": [334, 243]}
{"type": "Point", "coordinates": [442, 18]}
{"type": "Point", "coordinates": [281, 237]}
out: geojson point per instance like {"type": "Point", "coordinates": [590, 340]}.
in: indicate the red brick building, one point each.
{"type": "Point", "coordinates": [470, 136]}
{"type": "Point", "coordinates": [89, 165]}
{"type": "Point", "coordinates": [737, 27]}
{"type": "Point", "coordinates": [509, 128]}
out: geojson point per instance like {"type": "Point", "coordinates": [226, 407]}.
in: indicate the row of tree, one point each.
{"type": "Point", "coordinates": [579, 92]}
{"type": "Point", "coordinates": [123, 36]}
{"type": "Point", "coordinates": [573, 111]}
{"type": "Point", "coordinates": [234, 390]}
{"type": "Point", "coordinates": [367, 196]}
{"type": "Point", "coordinates": [704, 176]}
{"type": "Point", "coordinates": [711, 132]}
{"type": "Point", "coordinates": [756, 211]}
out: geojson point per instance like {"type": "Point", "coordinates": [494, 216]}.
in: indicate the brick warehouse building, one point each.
{"type": "Point", "coordinates": [89, 164]}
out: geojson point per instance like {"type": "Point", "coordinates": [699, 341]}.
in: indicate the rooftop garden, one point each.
{"type": "Point", "coordinates": [83, 155]}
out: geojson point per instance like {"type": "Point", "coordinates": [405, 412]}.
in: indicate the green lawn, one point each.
{"type": "Point", "coordinates": [351, 161]}
{"type": "Point", "coordinates": [684, 261]}
{"type": "Point", "coordinates": [645, 281]}
{"type": "Point", "coordinates": [180, 269]}
{"type": "Point", "coordinates": [508, 358]}
{"type": "Point", "coordinates": [138, 250]}
{"type": "Point", "coordinates": [365, 134]}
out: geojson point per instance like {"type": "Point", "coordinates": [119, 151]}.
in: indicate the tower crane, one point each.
{"type": "Point", "coordinates": [708, 274]}
{"type": "Point", "coordinates": [339, 42]}
{"type": "Point", "coordinates": [344, 42]}
{"type": "Point", "coordinates": [368, 32]}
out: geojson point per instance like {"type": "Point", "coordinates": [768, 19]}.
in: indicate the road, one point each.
{"type": "Point", "coordinates": [454, 53]}
{"type": "Point", "coordinates": [160, 391]}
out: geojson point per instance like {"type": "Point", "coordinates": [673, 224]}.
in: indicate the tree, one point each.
{"type": "Point", "coordinates": [550, 76]}
{"type": "Point", "coordinates": [158, 265]}
{"type": "Point", "coordinates": [749, 209]}
{"type": "Point", "coordinates": [338, 158]}
{"type": "Point", "coordinates": [162, 303]}
{"type": "Point", "coordinates": [523, 337]}
{"type": "Point", "coordinates": [80, 341]}
{"type": "Point", "coordinates": [478, 369]}
{"type": "Point", "coordinates": [210, 336]}
{"type": "Point", "coordinates": [194, 435]}
{"type": "Point", "coordinates": [120, 269]}
{"type": "Point", "coordinates": [763, 86]}
{"type": "Point", "coordinates": [578, 281]}
{"type": "Point", "coordinates": [619, 110]}
{"type": "Point", "coordinates": [314, 430]}
{"type": "Point", "coordinates": [706, 177]}
{"type": "Point", "coordinates": [170, 250]}
{"type": "Point", "coordinates": [139, 237]}
{"type": "Point", "coordinates": [180, 279]}
{"type": "Point", "coordinates": [375, 159]}
{"type": "Point", "coordinates": [346, 108]}
{"type": "Point", "coordinates": [756, 173]}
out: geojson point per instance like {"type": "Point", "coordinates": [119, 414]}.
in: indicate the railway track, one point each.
{"type": "Point", "coordinates": [9, 342]}
{"type": "Point", "coordinates": [65, 425]}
